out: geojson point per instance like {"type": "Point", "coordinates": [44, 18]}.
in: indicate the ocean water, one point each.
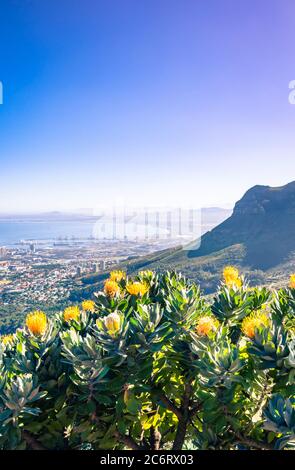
{"type": "Point", "coordinates": [11, 232]}
{"type": "Point", "coordinates": [14, 230]}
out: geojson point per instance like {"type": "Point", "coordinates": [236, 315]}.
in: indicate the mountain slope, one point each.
{"type": "Point", "coordinates": [259, 238]}
{"type": "Point", "coordinates": [263, 221]}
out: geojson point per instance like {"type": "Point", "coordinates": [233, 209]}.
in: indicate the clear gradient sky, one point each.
{"type": "Point", "coordinates": [153, 101]}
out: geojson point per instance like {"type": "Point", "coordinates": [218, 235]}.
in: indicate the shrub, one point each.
{"type": "Point", "coordinates": [151, 364]}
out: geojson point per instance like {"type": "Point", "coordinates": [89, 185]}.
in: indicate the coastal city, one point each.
{"type": "Point", "coordinates": [46, 272]}
{"type": "Point", "coordinates": [36, 274]}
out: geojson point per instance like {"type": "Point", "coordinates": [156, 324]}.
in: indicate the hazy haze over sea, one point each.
{"type": "Point", "coordinates": [11, 232]}
{"type": "Point", "coordinates": [14, 228]}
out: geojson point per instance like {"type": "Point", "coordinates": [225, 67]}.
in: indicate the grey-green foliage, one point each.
{"type": "Point", "coordinates": [139, 372]}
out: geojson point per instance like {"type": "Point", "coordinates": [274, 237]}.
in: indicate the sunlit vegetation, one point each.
{"type": "Point", "coordinates": [150, 363]}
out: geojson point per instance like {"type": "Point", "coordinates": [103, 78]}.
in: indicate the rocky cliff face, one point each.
{"type": "Point", "coordinates": [263, 221]}
{"type": "Point", "coordinates": [265, 199]}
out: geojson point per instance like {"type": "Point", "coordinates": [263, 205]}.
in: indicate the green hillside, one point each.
{"type": "Point", "coordinates": [205, 270]}
{"type": "Point", "coordinates": [259, 238]}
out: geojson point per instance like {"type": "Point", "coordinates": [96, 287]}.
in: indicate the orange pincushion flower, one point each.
{"type": "Point", "coordinates": [36, 322]}
{"type": "Point", "coordinates": [137, 288]}
{"type": "Point", "coordinates": [205, 325]}
{"type": "Point", "coordinates": [88, 306]}
{"type": "Point", "coordinates": [117, 276]}
{"type": "Point", "coordinates": [111, 288]}
{"type": "Point", "coordinates": [292, 281]}
{"type": "Point", "coordinates": [71, 313]}
{"type": "Point", "coordinates": [255, 320]}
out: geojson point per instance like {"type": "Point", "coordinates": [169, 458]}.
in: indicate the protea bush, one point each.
{"type": "Point", "coordinates": [150, 363]}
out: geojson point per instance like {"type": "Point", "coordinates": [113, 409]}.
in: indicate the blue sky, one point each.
{"type": "Point", "coordinates": [144, 102]}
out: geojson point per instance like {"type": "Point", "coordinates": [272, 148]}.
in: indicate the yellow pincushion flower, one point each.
{"type": "Point", "coordinates": [88, 306]}
{"type": "Point", "coordinates": [255, 320]}
{"type": "Point", "coordinates": [137, 288]}
{"type": "Point", "coordinates": [111, 288]}
{"type": "Point", "coordinates": [231, 276]}
{"type": "Point", "coordinates": [146, 273]}
{"type": "Point", "coordinates": [292, 281]}
{"type": "Point", "coordinates": [206, 324]}
{"type": "Point", "coordinates": [36, 322]}
{"type": "Point", "coordinates": [112, 323]}
{"type": "Point", "coordinates": [71, 313]}
{"type": "Point", "coordinates": [7, 339]}
{"type": "Point", "coordinates": [117, 276]}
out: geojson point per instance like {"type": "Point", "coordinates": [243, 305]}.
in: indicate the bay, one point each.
{"type": "Point", "coordinates": [12, 232]}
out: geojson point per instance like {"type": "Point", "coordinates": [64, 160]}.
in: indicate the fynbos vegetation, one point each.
{"type": "Point", "coordinates": [151, 364]}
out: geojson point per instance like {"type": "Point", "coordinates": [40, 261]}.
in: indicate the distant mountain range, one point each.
{"type": "Point", "coordinates": [259, 237]}
{"type": "Point", "coordinates": [47, 216]}
{"type": "Point", "coordinates": [211, 216]}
